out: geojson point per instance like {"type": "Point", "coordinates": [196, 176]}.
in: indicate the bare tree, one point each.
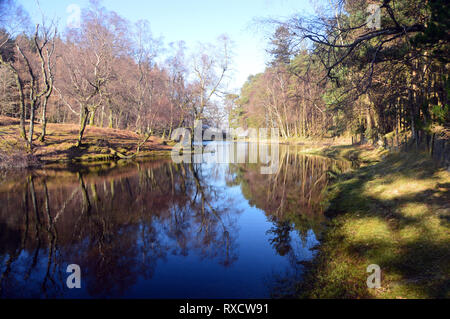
{"type": "Point", "coordinates": [88, 57]}
{"type": "Point", "coordinates": [45, 47]}
{"type": "Point", "coordinates": [41, 42]}
{"type": "Point", "coordinates": [178, 91]}
{"type": "Point", "coordinates": [13, 20]}
{"type": "Point", "coordinates": [143, 87]}
{"type": "Point", "coordinates": [210, 65]}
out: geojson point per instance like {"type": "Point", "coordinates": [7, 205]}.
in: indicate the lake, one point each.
{"type": "Point", "coordinates": [159, 229]}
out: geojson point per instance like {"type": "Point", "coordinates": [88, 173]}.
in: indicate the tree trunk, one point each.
{"type": "Point", "coordinates": [170, 130]}
{"type": "Point", "coordinates": [44, 120]}
{"type": "Point", "coordinates": [84, 114]}
{"type": "Point", "coordinates": [31, 130]}
{"type": "Point", "coordinates": [369, 125]}
{"type": "Point", "coordinates": [432, 144]}
{"type": "Point", "coordinates": [23, 133]}
{"type": "Point", "coordinates": [103, 115]}
{"type": "Point", "coordinates": [110, 124]}
{"type": "Point", "coordinates": [92, 117]}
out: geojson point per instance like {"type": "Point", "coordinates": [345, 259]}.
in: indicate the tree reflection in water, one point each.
{"type": "Point", "coordinates": [292, 200]}
{"type": "Point", "coordinates": [118, 224]}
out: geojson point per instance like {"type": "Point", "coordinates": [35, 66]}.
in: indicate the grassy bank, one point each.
{"type": "Point", "coordinates": [394, 211]}
{"type": "Point", "coordinates": [59, 145]}
{"type": "Point", "coordinates": [362, 155]}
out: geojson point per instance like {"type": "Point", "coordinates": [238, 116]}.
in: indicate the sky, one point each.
{"type": "Point", "coordinates": [193, 21]}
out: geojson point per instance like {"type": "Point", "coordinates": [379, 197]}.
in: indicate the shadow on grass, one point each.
{"type": "Point", "coordinates": [395, 214]}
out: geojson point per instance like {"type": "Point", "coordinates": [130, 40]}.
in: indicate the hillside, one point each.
{"type": "Point", "coordinates": [58, 146]}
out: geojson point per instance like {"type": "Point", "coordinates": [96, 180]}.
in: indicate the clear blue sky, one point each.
{"type": "Point", "coordinates": [195, 21]}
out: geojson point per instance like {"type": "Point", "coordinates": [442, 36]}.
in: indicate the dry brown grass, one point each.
{"type": "Point", "coordinates": [61, 138]}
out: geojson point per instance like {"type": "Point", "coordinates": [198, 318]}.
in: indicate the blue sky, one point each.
{"type": "Point", "coordinates": [195, 21]}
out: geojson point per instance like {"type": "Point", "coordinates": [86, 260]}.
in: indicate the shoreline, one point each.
{"type": "Point", "coordinates": [100, 145]}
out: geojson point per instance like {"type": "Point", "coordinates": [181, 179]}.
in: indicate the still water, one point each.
{"type": "Point", "coordinates": [159, 229]}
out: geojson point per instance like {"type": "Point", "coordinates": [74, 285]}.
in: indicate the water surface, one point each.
{"type": "Point", "coordinates": [158, 229]}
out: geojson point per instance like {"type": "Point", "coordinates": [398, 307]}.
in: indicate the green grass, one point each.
{"type": "Point", "coordinates": [362, 155]}
{"type": "Point", "coordinates": [393, 212]}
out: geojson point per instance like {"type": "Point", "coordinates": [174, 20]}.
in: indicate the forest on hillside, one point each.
{"type": "Point", "coordinates": [108, 72]}
{"type": "Point", "coordinates": [341, 73]}
{"type": "Point", "coordinates": [344, 71]}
